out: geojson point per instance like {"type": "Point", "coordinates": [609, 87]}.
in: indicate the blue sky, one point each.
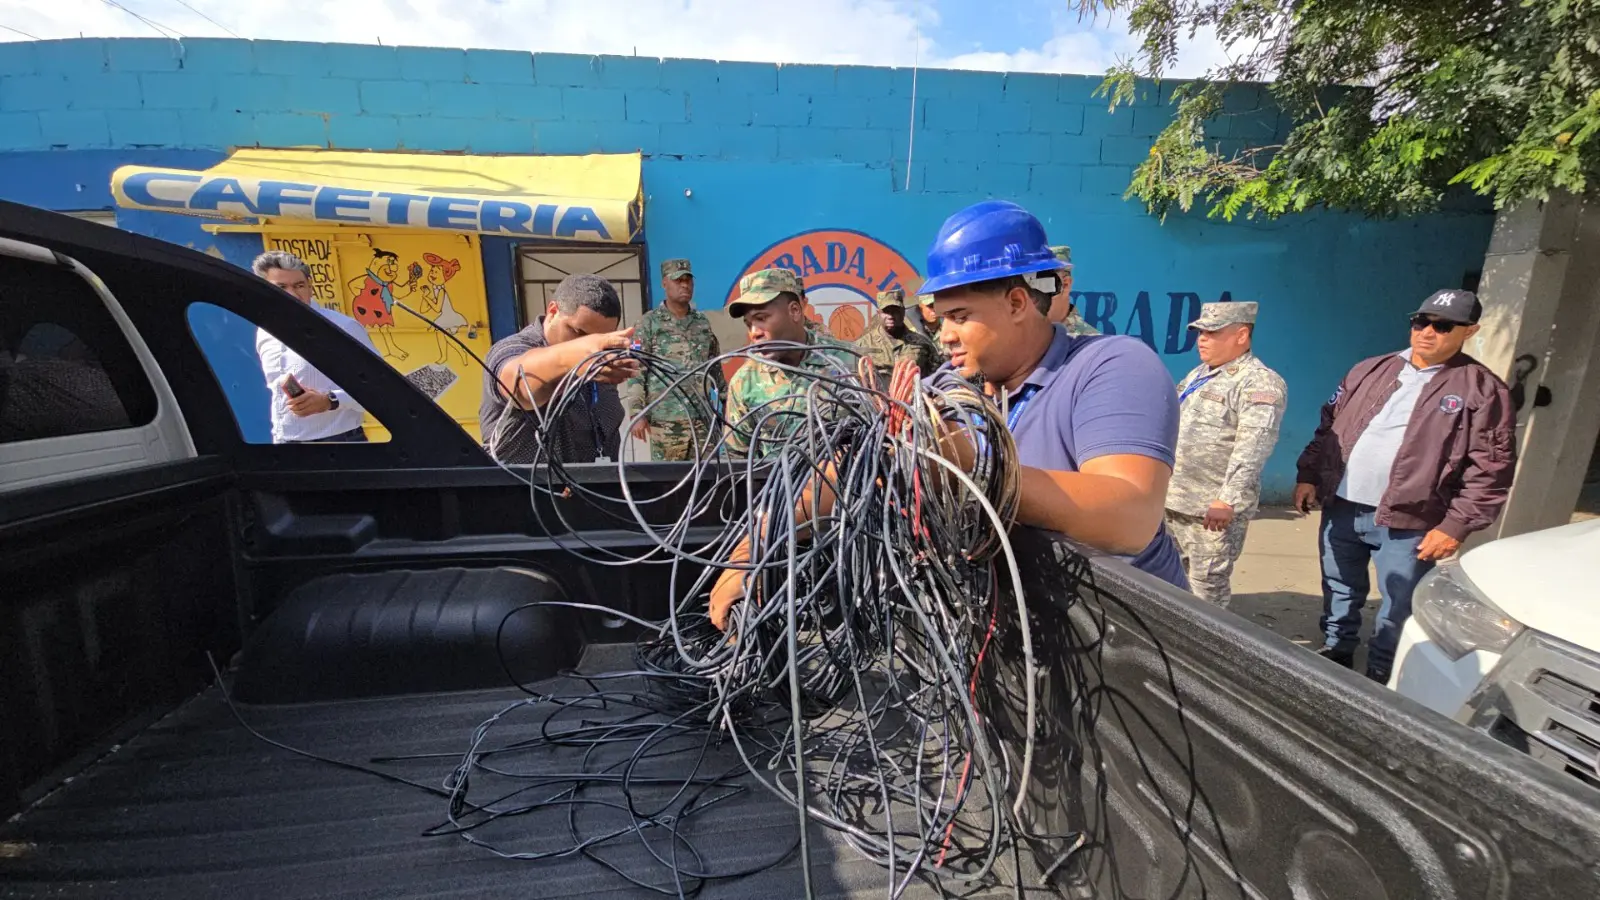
{"type": "Point", "coordinates": [1022, 35]}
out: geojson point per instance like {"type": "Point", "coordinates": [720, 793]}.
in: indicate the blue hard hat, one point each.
{"type": "Point", "coordinates": [987, 240]}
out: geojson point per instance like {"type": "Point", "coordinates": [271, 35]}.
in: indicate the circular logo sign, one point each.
{"type": "Point", "coordinates": [843, 272]}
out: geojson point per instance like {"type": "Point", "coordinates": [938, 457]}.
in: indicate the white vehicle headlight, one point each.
{"type": "Point", "coordinates": [1457, 616]}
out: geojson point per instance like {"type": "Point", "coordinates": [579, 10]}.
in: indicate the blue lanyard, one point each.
{"type": "Point", "coordinates": [1018, 404]}
{"type": "Point", "coordinates": [594, 421]}
{"type": "Point", "coordinates": [1194, 386]}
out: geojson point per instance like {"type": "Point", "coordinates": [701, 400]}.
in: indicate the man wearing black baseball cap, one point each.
{"type": "Point", "coordinates": [1414, 453]}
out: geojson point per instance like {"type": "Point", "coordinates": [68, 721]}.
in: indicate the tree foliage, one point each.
{"type": "Point", "coordinates": [1391, 103]}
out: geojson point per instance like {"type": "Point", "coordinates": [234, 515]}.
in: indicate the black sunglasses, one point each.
{"type": "Point", "coordinates": [1420, 321]}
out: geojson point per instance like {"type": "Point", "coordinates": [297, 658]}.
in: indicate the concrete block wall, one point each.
{"type": "Point", "coordinates": [1007, 134]}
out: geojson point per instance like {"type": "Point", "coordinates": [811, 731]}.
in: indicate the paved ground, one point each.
{"type": "Point", "coordinates": [1277, 582]}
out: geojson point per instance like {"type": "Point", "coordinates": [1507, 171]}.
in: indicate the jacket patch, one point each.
{"type": "Point", "coordinates": [1451, 403]}
{"type": "Point", "coordinates": [1263, 397]}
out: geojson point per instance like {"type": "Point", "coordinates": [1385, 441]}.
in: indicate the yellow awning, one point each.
{"type": "Point", "coordinates": [577, 198]}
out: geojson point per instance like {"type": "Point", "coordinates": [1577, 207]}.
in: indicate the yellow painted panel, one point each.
{"type": "Point", "coordinates": [376, 277]}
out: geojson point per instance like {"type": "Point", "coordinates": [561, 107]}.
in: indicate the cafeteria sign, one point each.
{"type": "Point", "coordinates": [575, 198]}
{"type": "Point", "coordinates": [843, 272]}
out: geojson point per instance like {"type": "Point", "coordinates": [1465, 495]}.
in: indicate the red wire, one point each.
{"type": "Point", "coordinates": [972, 690]}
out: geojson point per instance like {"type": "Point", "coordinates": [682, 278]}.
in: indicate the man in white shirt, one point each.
{"type": "Point", "coordinates": [318, 411]}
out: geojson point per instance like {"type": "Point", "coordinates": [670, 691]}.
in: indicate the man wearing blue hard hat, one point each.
{"type": "Point", "coordinates": [1094, 416]}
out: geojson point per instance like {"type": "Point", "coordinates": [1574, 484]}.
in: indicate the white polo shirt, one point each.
{"type": "Point", "coordinates": [278, 362]}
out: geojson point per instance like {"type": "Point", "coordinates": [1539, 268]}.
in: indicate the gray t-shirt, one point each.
{"type": "Point", "coordinates": [1366, 474]}
{"type": "Point", "coordinates": [590, 428]}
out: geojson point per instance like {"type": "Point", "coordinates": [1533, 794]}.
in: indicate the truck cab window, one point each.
{"type": "Point", "coordinates": [261, 375]}
{"type": "Point", "coordinates": [65, 367]}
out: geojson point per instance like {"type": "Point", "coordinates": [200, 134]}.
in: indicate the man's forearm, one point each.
{"type": "Point", "coordinates": [530, 379]}
{"type": "Point", "coordinates": [1104, 511]}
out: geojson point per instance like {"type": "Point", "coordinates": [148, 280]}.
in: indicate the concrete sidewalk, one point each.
{"type": "Point", "coordinates": [1277, 582]}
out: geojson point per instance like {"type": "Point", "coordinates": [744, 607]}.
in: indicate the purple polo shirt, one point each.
{"type": "Point", "coordinates": [1100, 395]}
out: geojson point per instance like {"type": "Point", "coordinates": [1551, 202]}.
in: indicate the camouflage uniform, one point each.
{"type": "Point", "coordinates": [886, 350]}
{"type": "Point", "coordinates": [760, 384]}
{"type": "Point", "coordinates": [1075, 324]}
{"type": "Point", "coordinates": [930, 327]}
{"type": "Point", "coordinates": [684, 416]}
{"type": "Point", "coordinates": [1228, 425]}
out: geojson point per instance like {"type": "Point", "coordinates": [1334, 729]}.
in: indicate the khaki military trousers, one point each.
{"type": "Point", "coordinates": [1208, 556]}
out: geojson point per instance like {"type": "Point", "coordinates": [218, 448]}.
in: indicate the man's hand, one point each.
{"type": "Point", "coordinates": [1218, 516]}
{"type": "Point", "coordinates": [730, 586]}
{"type": "Point", "coordinates": [614, 372]}
{"type": "Point", "coordinates": [1305, 497]}
{"type": "Point", "coordinates": [641, 428]}
{"type": "Point", "coordinates": [309, 403]}
{"type": "Point", "coordinates": [1436, 545]}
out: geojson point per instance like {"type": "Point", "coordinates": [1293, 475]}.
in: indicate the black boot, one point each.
{"type": "Point", "coordinates": [1344, 658]}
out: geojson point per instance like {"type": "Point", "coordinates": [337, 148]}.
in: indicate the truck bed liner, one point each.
{"type": "Point", "coordinates": [196, 806]}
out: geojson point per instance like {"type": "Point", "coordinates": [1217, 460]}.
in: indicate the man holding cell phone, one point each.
{"type": "Point", "coordinates": [306, 405]}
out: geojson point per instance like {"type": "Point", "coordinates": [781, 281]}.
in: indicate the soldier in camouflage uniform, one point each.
{"type": "Point", "coordinates": [930, 326]}
{"type": "Point", "coordinates": [677, 331]}
{"type": "Point", "coordinates": [1230, 409]}
{"type": "Point", "coordinates": [771, 302]}
{"type": "Point", "coordinates": [1061, 309]}
{"type": "Point", "coordinates": [889, 341]}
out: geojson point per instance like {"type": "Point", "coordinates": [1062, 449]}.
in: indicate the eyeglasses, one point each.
{"type": "Point", "coordinates": [1419, 322]}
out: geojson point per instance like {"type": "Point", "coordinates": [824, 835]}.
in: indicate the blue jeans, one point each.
{"type": "Point", "coordinates": [1348, 539]}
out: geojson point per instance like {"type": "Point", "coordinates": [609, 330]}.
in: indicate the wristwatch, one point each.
{"type": "Point", "coordinates": [333, 400]}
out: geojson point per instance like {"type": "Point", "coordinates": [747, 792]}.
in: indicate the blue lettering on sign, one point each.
{"type": "Point", "coordinates": [1140, 315]}
{"type": "Point", "coordinates": [837, 256]}
{"type": "Point", "coordinates": [508, 217]}
{"type": "Point", "coordinates": [400, 206]}
{"type": "Point", "coordinates": [273, 194]}
{"type": "Point", "coordinates": [810, 265]}
{"type": "Point", "coordinates": [889, 280]}
{"type": "Point", "coordinates": [544, 220]}
{"type": "Point", "coordinates": [1098, 308]}
{"type": "Point", "coordinates": [1182, 309]}
{"type": "Point", "coordinates": [137, 187]}
{"type": "Point", "coordinates": [785, 261]}
{"type": "Point", "coordinates": [218, 191]}
{"type": "Point", "coordinates": [452, 212]}
{"type": "Point", "coordinates": [330, 200]}
{"type": "Point", "coordinates": [581, 218]}
{"type": "Point", "coordinates": [858, 263]}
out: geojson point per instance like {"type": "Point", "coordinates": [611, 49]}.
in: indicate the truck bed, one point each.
{"type": "Point", "coordinates": [196, 806]}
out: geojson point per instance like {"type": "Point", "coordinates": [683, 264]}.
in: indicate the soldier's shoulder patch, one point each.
{"type": "Point", "coordinates": [1272, 397]}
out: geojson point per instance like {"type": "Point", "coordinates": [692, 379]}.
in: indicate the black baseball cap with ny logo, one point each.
{"type": "Point", "coordinates": [1452, 306]}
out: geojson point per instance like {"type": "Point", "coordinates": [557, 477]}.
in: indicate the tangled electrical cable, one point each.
{"type": "Point", "coordinates": [847, 683]}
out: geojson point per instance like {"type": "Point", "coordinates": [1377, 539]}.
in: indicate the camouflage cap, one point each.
{"type": "Point", "coordinates": [894, 297]}
{"type": "Point", "coordinates": [1063, 253]}
{"type": "Point", "coordinates": [676, 268]}
{"type": "Point", "coordinates": [1218, 315]}
{"type": "Point", "coordinates": [763, 287]}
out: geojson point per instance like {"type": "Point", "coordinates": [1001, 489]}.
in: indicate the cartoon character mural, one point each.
{"type": "Point", "coordinates": [373, 295]}
{"type": "Point", "coordinates": [418, 293]}
{"type": "Point", "coordinates": [437, 306]}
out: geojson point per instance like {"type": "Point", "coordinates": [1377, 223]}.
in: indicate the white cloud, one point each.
{"type": "Point", "coordinates": [865, 32]}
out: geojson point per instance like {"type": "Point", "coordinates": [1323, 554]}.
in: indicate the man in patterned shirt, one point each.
{"type": "Point", "coordinates": [1061, 310]}
{"type": "Point", "coordinates": [680, 333]}
{"type": "Point", "coordinates": [1230, 408]}
{"type": "Point", "coordinates": [890, 340]}
{"type": "Point", "coordinates": [530, 366]}
{"type": "Point", "coordinates": [761, 396]}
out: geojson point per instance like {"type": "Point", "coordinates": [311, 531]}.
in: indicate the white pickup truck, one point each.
{"type": "Point", "coordinates": [1507, 640]}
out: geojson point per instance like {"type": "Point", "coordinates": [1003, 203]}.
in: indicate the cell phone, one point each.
{"type": "Point", "coordinates": [292, 387]}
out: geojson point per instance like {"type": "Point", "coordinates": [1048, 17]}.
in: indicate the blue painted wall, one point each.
{"type": "Point", "coordinates": [765, 152]}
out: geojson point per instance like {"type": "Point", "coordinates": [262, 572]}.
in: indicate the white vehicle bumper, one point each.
{"type": "Point", "coordinates": [1424, 673]}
